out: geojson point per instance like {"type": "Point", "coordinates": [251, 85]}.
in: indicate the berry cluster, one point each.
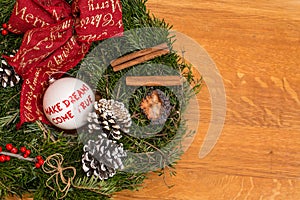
{"type": "Point", "coordinates": [4, 158]}
{"type": "Point", "coordinates": [39, 161]}
{"type": "Point", "coordinates": [11, 148]}
{"type": "Point", "coordinates": [4, 30]}
{"type": "Point", "coordinates": [26, 152]}
{"type": "Point", "coordinates": [24, 155]}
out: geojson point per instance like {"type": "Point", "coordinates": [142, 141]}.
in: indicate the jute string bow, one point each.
{"type": "Point", "coordinates": [53, 165]}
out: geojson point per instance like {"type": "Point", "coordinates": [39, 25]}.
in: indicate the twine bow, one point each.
{"type": "Point", "coordinates": [53, 165]}
{"type": "Point", "coordinates": [57, 36]}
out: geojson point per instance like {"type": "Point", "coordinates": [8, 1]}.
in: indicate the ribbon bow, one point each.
{"type": "Point", "coordinates": [57, 36]}
{"type": "Point", "coordinates": [57, 170]}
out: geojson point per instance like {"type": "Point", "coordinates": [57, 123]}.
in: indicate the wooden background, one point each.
{"type": "Point", "coordinates": [256, 46]}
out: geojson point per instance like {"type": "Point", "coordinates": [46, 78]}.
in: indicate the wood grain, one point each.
{"type": "Point", "coordinates": [256, 47]}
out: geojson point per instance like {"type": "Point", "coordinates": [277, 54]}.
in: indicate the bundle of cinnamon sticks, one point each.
{"type": "Point", "coordinates": [142, 56]}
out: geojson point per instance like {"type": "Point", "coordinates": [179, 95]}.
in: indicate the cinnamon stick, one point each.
{"type": "Point", "coordinates": [141, 59]}
{"type": "Point", "coordinates": [153, 80]}
{"type": "Point", "coordinates": [138, 54]}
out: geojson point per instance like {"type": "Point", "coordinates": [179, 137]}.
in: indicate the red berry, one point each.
{"type": "Point", "coordinates": [2, 158]}
{"type": "Point", "coordinates": [14, 150]}
{"type": "Point", "coordinates": [28, 152]}
{"type": "Point", "coordinates": [37, 165]}
{"type": "Point", "coordinates": [7, 158]}
{"type": "Point", "coordinates": [39, 158]}
{"type": "Point", "coordinates": [4, 26]}
{"type": "Point", "coordinates": [41, 162]}
{"type": "Point", "coordinates": [9, 147]}
{"type": "Point", "coordinates": [0, 149]}
{"type": "Point", "coordinates": [23, 149]}
{"type": "Point", "coordinates": [25, 155]}
{"type": "Point", "coordinates": [4, 32]}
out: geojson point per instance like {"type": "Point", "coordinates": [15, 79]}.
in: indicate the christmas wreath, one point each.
{"type": "Point", "coordinates": [92, 98]}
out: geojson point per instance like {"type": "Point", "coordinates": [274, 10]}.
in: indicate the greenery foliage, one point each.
{"type": "Point", "coordinates": [19, 177]}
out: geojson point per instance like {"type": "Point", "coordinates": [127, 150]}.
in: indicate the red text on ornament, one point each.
{"type": "Point", "coordinates": [63, 118]}
{"type": "Point", "coordinates": [84, 104]}
{"type": "Point", "coordinates": [53, 109]}
{"type": "Point", "coordinates": [77, 95]}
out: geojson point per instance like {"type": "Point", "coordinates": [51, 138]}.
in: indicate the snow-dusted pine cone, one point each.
{"type": "Point", "coordinates": [109, 119]}
{"type": "Point", "coordinates": [102, 158]}
{"type": "Point", "coordinates": [8, 76]}
{"type": "Point", "coordinates": [156, 105]}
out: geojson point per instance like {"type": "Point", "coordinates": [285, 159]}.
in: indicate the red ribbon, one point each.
{"type": "Point", "coordinates": [57, 36]}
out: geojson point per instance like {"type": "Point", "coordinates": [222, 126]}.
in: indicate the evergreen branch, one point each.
{"type": "Point", "coordinates": [46, 132]}
{"type": "Point", "coordinates": [8, 119]}
{"type": "Point", "coordinates": [91, 184]}
{"type": "Point", "coordinates": [12, 98]}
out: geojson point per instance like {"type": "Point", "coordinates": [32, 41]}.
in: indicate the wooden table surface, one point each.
{"type": "Point", "coordinates": [256, 46]}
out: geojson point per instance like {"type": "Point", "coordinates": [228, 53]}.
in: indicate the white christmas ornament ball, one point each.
{"type": "Point", "coordinates": [67, 102]}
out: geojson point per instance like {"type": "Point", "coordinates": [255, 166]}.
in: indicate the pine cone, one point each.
{"type": "Point", "coordinates": [8, 76]}
{"type": "Point", "coordinates": [110, 119]}
{"type": "Point", "coordinates": [102, 158]}
{"type": "Point", "coordinates": [156, 105]}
